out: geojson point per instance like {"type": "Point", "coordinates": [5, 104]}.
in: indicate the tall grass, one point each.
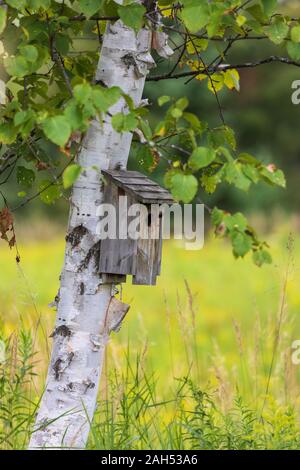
{"type": "Point", "coordinates": [132, 414]}
{"type": "Point", "coordinates": [16, 406]}
{"type": "Point", "coordinates": [181, 375]}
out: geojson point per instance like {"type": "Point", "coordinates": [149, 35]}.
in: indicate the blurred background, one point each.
{"type": "Point", "coordinates": [210, 313]}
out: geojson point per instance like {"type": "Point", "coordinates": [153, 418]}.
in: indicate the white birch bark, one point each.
{"type": "Point", "coordinates": [84, 319]}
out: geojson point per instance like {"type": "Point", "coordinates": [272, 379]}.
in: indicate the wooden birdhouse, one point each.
{"type": "Point", "coordinates": [137, 248]}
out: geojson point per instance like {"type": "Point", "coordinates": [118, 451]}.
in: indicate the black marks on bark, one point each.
{"type": "Point", "coordinates": [61, 364]}
{"type": "Point", "coordinates": [76, 235]}
{"type": "Point", "coordinates": [92, 256]}
{"type": "Point", "coordinates": [56, 368]}
{"type": "Point", "coordinates": [44, 423]}
{"type": "Point", "coordinates": [55, 302]}
{"type": "Point", "coordinates": [150, 5]}
{"type": "Point", "coordinates": [80, 387]}
{"type": "Point", "coordinates": [81, 288]}
{"type": "Point", "coordinates": [101, 82]}
{"type": "Point", "coordinates": [70, 386]}
{"type": "Point", "coordinates": [89, 384]}
{"type": "Point", "coordinates": [61, 330]}
{"type": "Point", "coordinates": [57, 298]}
{"type": "Point", "coordinates": [118, 167]}
{"type": "Point", "coordinates": [129, 60]}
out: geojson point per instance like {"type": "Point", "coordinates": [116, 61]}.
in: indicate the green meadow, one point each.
{"type": "Point", "coordinates": [203, 360]}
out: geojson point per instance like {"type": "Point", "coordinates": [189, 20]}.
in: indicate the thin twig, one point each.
{"type": "Point", "coordinates": [224, 67]}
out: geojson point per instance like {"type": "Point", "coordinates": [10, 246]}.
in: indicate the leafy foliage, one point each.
{"type": "Point", "coordinates": [187, 417]}
{"type": "Point", "coordinates": [51, 96]}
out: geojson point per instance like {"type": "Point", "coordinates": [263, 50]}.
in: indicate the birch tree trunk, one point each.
{"type": "Point", "coordinates": [84, 319]}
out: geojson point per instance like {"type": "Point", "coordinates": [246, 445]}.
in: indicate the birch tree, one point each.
{"type": "Point", "coordinates": [69, 113]}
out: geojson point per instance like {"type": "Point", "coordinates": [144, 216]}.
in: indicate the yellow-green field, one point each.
{"type": "Point", "coordinates": [229, 299]}
{"type": "Point", "coordinates": [226, 323]}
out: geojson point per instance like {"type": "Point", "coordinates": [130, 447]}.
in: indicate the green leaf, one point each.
{"type": "Point", "coordinates": [169, 175]}
{"type": "Point", "coordinates": [145, 157]}
{"type": "Point", "coordinates": [74, 116]}
{"type": "Point", "coordinates": [19, 4]}
{"type": "Point", "coordinates": [104, 98]}
{"type": "Point", "coordinates": [2, 19]}
{"type": "Point", "coordinates": [182, 103]}
{"type": "Point", "coordinates": [241, 20]}
{"type": "Point", "coordinates": [295, 34]}
{"type": "Point", "coordinates": [124, 122]}
{"type": "Point", "coordinates": [132, 15]}
{"type": "Point", "coordinates": [90, 7]}
{"type": "Point", "coordinates": [277, 31]}
{"type": "Point", "coordinates": [201, 157]}
{"type": "Point", "coordinates": [29, 52]}
{"type": "Point", "coordinates": [20, 117]}
{"type": "Point", "coordinates": [195, 15]}
{"type": "Point", "coordinates": [57, 129]}
{"type": "Point", "coordinates": [217, 216]}
{"type": "Point", "coordinates": [8, 133]}
{"type": "Point", "coordinates": [25, 176]}
{"type": "Point", "coordinates": [176, 113]}
{"type": "Point", "coordinates": [29, 60]}
{"type": "Point", "coordinates": [163, 100]}
{"type": "Point", "coordinates": [194, 121]}
{"type": "Point", "coordinates": [63, 43]}
{"type": "Point", "coordinates": [241, 243]}
{"type": "Point", "coordinates": [50, 192]}
{"type": "Point", "coordinates": [146, 129]}
{"type": "Point", "coordinates": [232, 79]}
{"type": "Point", "coordinates": [229, 137]}
{"type": "Point", "coordinates": [247, 158]}
{"type": "Point", "coordinates": [82, 92]}
{"type": "Point", "coordinates": [37, 4]}
{"type": "Point", "coordinates": [293, 50]}
{"type": "Point", "coordinates": [209, 183]}
{"type": "Point", "coordinates": [216, 19]}
{"type": "Point", "coordinates": [269, 6]}
{"type": "Point", "coordinates": [234, 175]}
{"type": "Point", "coordinates": [261, 257]}
{"type": "Point", "coordinates": [251, 172]}
{"type": "Point", "coordinates": [221, 136]}
{"type": "Point", "coordinates": [16, 66]}
{"type": "Point", "coordinates": [236, 222]}
{"type": "Point", "coordinates": [257, 12]}
{"type": "Point", "coordinates": [71, 174]}
{"type": "Point", "coordinates": [25, 120]}
{"type": "Point", "coordinates": [184, 187]}
{"type": "Point", "coordinates": [273, 175]}
{"type": "Point", "coordinates": [197, 45]}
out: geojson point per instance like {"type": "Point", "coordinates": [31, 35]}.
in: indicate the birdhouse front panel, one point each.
{"type": "Point", "coordinates": [139, 257]}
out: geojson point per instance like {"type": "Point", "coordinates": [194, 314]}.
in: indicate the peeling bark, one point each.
{"type": "Point", "coordinates": [86, 310]}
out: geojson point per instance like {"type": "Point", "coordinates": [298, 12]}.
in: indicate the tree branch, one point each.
{"type": "Point", "coordinates": [224, 67]}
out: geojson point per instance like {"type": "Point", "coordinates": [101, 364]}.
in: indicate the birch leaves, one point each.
{"type": "Point", "coordinates": [52, 97]}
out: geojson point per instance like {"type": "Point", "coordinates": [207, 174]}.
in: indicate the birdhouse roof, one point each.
{"type": "Point", "coordinates": [139, 186]}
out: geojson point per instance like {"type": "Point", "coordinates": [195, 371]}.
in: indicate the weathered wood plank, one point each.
{"type": "Point", "coordinates": [152, 198]}
{"type": "Point", "coordinates": [115, 173]}
{"type": "Point", "coordinates": [117, 256]}
{"type": "Point", "coordinates": [141, 258]}
{"type": "Point", "coordinates": [147, 187]}
{"type": "Point", "coordinates": [139, 186]}
{"type": "Point", "coordinates": [113, 278]}
{"type": "Point", "coordinates": [124, 182]}
{"type": "Point", "coordinates": [158, 252]}
{"type": "Point", "coordinates": [147, 252]}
